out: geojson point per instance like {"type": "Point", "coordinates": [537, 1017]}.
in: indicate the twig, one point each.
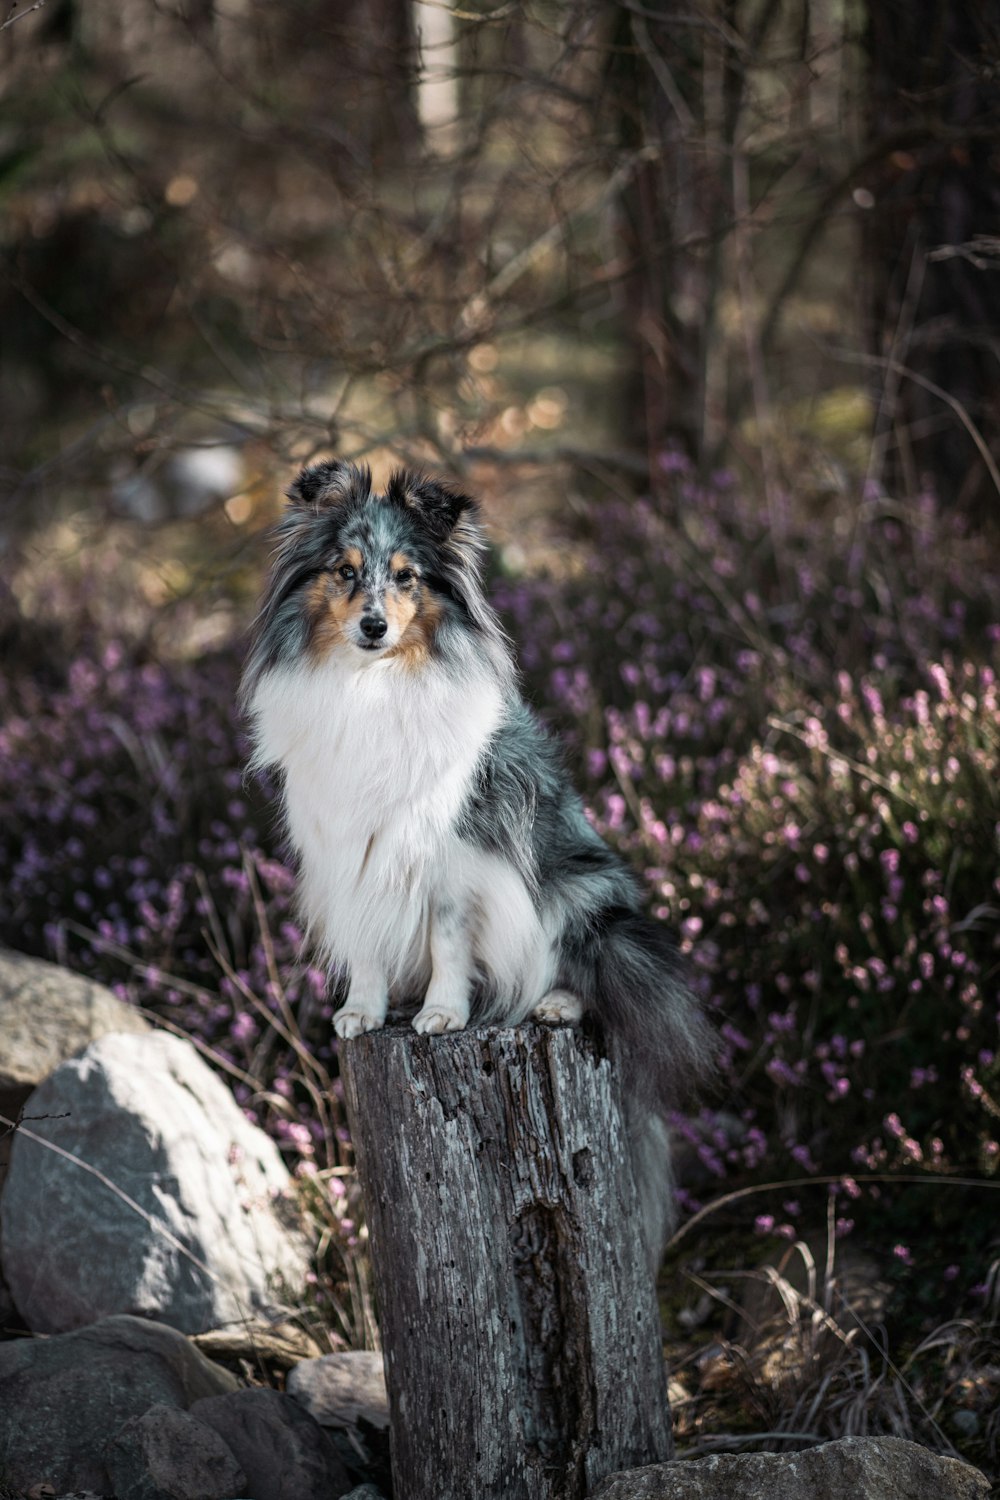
{"type": "Point", "coordinates": [907, 1387]}
{"type": "Point", "coordinates": [10, 1127]}
{"type": "Point", "coordinates": [717, 1441]}
{"type": "Point", "coordinates": [857, 766]}
{"type": "Point", "coordinates": [474, 312]}
{"type": "Point", "coordinates": [881, 362]}
{"type": "Point", "coordinates": [908, 1178]}
{"type": "Point", "coordinates": [198, 992]}
{"type": "Point", "coordinates": [19, 15]}
{"type": "Point", "coordinates": [157, 1225]}
{"type": "Point", "coordinates": [584, 458]}
{"type": "Point", "coordinates": [662, 73]}
{"type": "Point", "coordinates": [742, 219]}
{"type": "Point", "coordinates": [314, 1077]}
{"type": "Point", "coordinates": [890, 387]}
{"type": "Point", "coordinates": [982, 251]}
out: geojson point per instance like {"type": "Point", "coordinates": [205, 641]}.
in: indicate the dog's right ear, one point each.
{"type": "Point", "coordinates": [328, 484]}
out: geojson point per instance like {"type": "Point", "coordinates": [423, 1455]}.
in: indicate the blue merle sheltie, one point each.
{"type": "Point", "coordinates": [444, 858]}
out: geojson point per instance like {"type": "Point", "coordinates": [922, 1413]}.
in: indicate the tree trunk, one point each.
{"type": "Point", "coordinates": [518, 1313]}
{"type": "Point", "coordinates": [664, 207]}
{"type": "Point", "coordinates": [931, 242]}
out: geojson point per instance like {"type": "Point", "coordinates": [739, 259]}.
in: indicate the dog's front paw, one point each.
{"type": "Point", "coordinates": [558, 1008]}
{"type": "Point", "coordinates": [352, 1021]}
{"type": "Point", "coordinates": [432, 1020]}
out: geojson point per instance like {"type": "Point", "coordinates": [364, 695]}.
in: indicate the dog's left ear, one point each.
{"type": "Point", "coordinates": [436, 506]}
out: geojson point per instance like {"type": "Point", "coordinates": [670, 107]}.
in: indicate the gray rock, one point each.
{"type": "Point", "coordinates": [285, 1454]}
{"type": "Point", "coordinates": [81, 1495]}
{"type": "Point", "coordinates": [8, 1312]}
{"type": "Point", "coordinates": [62, 1399]}
{"type": "Point", "coordinates": [166, 1454]}
{"type": "Point", "coordinates": [341, 1389]}
{"type": "Point", "coordinates": [202, 1242]}
{"type": "Point", "coordinates": [966, 1422]}
{"type": "Point", "coordinates": [46, 1015]}
{"type": "Point", "coordinates": [872, 1468]}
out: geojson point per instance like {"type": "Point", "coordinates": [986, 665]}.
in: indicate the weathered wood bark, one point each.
{"type": "Point", "coordinates": [518, 1314]}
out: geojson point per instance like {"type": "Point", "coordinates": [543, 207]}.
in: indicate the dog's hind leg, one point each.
{"type": "Point", "coordinates": [558, 1008]}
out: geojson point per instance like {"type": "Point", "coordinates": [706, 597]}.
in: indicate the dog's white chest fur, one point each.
{"type": "Point", "coordinates": [377, 763]}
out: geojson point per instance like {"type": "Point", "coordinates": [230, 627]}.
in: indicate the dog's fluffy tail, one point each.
{"type": "Point", "coordinates": [631, 975]}
{"type": "Point", "coordinates": [642, 997]}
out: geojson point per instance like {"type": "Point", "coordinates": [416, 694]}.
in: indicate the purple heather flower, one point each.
{"type": "Point", "coordinates": [939, 677]}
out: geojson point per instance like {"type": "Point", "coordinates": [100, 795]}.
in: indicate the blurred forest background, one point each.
{"type": "Point", "coordinates": [699, 297]}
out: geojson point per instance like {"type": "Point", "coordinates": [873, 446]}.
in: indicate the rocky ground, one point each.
{"type": "Point", "coordinates": [151, 1264]}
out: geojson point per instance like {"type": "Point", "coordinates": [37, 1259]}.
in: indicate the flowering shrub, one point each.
{"type": "Point", "coordinates": [129, 849]}
{"type": "Point", "coordinates": [798, 742]}
{"type": "Point", "coordinates": [791, 731]}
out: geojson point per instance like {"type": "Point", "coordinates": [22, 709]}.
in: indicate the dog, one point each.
{"type": "Point", "coordinates": [442, 851]}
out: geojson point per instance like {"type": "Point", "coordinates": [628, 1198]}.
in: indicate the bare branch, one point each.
{"type": "Point", "coordinates": [982, 251]}
{"type": "Point", "coordinates": [19, 15]}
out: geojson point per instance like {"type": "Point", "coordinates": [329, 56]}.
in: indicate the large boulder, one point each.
{"type": "Point", "coordinates": [284, 1452]}
{"type": "Point", "coordinates": [870, 1468]}
{"type": "Point", "coordinates": [342, 1390]}
{"type": "Point", "coordinates": [46, 1015]}
{"type": "Point", "coordinates": [159, 1199]}
{"type": "Point", "coordinates": [166, 1454]}
{"type": "Point", "coordinates": [63, 1399]}
{"type": "Point", "coordinates": [346, 1394]}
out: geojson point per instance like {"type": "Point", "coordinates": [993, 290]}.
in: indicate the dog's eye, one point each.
{"type": "Point", "coordinates": [346, 572]}
{"type": "Point", "coordinates": [404, 576]}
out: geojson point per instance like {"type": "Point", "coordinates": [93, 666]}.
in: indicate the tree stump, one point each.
{"type": "Point", "coordinates": [519, 1318]}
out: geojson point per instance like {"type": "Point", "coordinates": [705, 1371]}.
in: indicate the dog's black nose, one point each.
{"type": "Point", "coordinates": [373, 626]}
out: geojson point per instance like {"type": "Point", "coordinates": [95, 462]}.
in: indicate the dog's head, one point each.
{"type": "Point", "coordinates": [372, 575]}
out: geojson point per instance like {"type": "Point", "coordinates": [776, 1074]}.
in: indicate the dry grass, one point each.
{"type": "Point", "coordinates": [796, 1351]}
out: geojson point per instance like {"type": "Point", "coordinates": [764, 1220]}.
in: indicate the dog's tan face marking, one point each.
{"type": "Point", "coordinates": [402, 597]}
{"type": "Point", "coordinates": [334, 604]}
{"type": "Point", "coordinates": [414, 646]}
